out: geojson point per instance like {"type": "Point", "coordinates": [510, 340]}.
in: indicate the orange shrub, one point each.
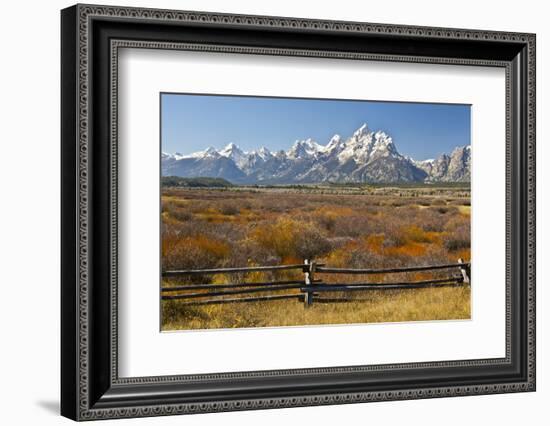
{"type": "Point", "coordinates": [192, 252]}
{"type": "Point", "coordinates": [278, 237]}
{"type": "Point", "coordinates": [289, 238]}
{"type": "Point", "coordinates": [415, 234]}
{"type": "Point", "coordinates": [340, 258]}
{"type": "Point", "coordinates": [410, 249]}
{"type": "Point", "coordinates": [374, 242]}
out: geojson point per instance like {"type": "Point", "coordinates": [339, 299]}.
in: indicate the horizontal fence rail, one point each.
{"type": "Point", "coordinates": [245, 299]}
{"type": "Point", "coordinates": [233, 270]}
{"type": "Point", "coordinates": [388, 286]}
{"type": "Point", "coordinates": [232, 292]}
{"type": "Point", "coordinates": [308, 289]}
{"type": "Point", "coordinates": [232, 285]}
{"type": "Point", "coordinates": [322, 269]}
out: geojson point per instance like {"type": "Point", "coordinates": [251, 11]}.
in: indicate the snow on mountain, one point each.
{"type": "Point", "coordinates": [264, 153]}
{"type": "Point", "coordinates": [383, 145]}
{"type": "Point", "coordinates": [304, 149]}
{"type": "Point", "coordinates": [335, 144]}
{"type": "Point", "coordinates": [175, 156]}
{"type": "Point", "coordinates": [210, 151]}
{"type": "Point", "coordinates": [358, 147]}
{"type": "Point", "coordinates": [366, 156]}
{"type": "Point", "coordinates": [233, 152]}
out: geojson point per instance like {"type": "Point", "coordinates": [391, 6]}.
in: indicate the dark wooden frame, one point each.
{"type": "Point", "coordinates": [90, 386]}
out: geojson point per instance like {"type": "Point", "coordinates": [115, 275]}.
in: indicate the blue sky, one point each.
{"type": "Point", "coordinates": [191, 123]}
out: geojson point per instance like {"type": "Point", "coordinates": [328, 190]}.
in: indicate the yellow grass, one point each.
{"type": "Point", "coordinates": [388, 306]}
{"type": "Point", "coordinates": [465, 210]}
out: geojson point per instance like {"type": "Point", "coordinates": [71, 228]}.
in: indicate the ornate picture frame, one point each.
{"type": "Point", "coordinates": [91, 37]}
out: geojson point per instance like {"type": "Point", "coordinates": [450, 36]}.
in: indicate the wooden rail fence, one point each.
{"type": "Point", "coordinates": [311, 288]}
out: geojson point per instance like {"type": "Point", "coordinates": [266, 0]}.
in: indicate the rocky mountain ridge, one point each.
{"type": "Point", "coordinates": [366, 156]}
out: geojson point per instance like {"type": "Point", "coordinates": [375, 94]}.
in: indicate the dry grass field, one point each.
{"type": "Point", "coordinates": [347, 227]}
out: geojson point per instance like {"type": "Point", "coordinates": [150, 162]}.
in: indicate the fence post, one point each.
{"type": "Point", "coordinates": [308, 280]}
{"type": "Point", "coordinates": [465, 272]}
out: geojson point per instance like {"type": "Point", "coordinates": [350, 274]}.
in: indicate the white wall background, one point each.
{"type": "Point", "coordinates": [29, 212]}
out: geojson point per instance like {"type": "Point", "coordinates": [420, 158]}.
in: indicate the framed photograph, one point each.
{"type": "Point", "coordinates": [263, 212]}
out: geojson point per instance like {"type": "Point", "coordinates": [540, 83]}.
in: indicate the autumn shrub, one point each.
{"type": "Point", "coordinates": [350, 226]}
{"type": "Point", "coordinates": [338, 242]}
{"type": "Point", "coordinates": [358, 225]}
{"type": "Point", "coordinates": [181, 214]}
{"type": "Point", "coordinates": [341, 257]}
{"type": "Point", "coordinates": [198, 206]}
{"type": "Point", "coordinates": [409, 250]}
{"type": "Point", "coordinates": [393, 234]}
{"type": "Point", "coordinates": [248, 251]}
{"type": "Point", "coordinates": [416, 234]}
{"type": "Point", "coordinates": [281, 204]}
{"type": "Point", "coordinates": [455, 222]}
{"type": "Point", "coordinates": [192, 252]}
{"type": "Point", "coordinates": [434, 255]}
{"type": "Point", "coordinates": [288, 237]}
{"type": "Point", "coordinates": [430, 220]}
{"type": "Point", "coordinates": [408, 211]}
{"type": "Point", "coordinates": [460, 202]}
{"type": "Point", "coordinates": [278, 236]}
{"type": "Point", "coordinates": [394, 202]}
{"type": "Point", "coordinates": [167, 206]}
{"type": "Point", "coordinates": [374, 242]}
{"type": "Point", "coordinates": [424, 202]}
{"type": "Point", "coordinates": [438, 202]}
{"type": "Point", "coordinates": [247, 204]}
{"type": "Point", "coordinates": [311, 243]}
{"type": "Point", "coordinates": [327, 217]}
{"type": "Point", "coordinates": [359, 258]}
{"type": "Point", "coordinates": [326, 221]}
{"type": "Point", "coordinates": [164, 204]}
{"type": "Point", "coordinates": [458, 239]}
{"type": "Point", "coordinates": [229, 209]}
{"type": "Point", "coordinates": [393, 240]}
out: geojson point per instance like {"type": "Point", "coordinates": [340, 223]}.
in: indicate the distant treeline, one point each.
{"type": "Point", "coordinates": [458, 185]}
{"type": "Point", "coordinates": [197, 182]}
{"type": "Point", "coordinates": [214, 182]}
{"type": "Point", "coordinates": [366, 185]}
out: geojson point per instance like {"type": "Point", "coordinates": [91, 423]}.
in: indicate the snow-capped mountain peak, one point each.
{"type": "Point", "coordinates": [233, 152]}
{"type": "Point", "coordinates": [383, 143]}
{"type": "Point", "coordinates": [304, 148]}
{"type": "Point", "coordinates": [210, 152]}
{"type": "Point", "coordinates": [264, 153]}
{"type": "Point", "coordinates": [167, 156]}
{"type": "Point", "coordinates": [335, 143]}
{"type": "Point", "coordinates": [358, 147]}
{"type": "Point", "coordinates": [259, 156]}
{"type": "Point", "coordinates": [362, 130]}
{"type": "Point", "coordinates": [229, 149]}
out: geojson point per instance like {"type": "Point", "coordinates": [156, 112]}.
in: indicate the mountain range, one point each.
{"type": "Point", "coordinates": [366, 156]}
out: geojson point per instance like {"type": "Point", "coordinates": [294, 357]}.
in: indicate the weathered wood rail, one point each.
{"type": "Point", "coordinates": [310, 288]}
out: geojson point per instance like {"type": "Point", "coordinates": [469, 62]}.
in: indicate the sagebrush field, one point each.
{"type": "Point", "coordinates": [340, 226]}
